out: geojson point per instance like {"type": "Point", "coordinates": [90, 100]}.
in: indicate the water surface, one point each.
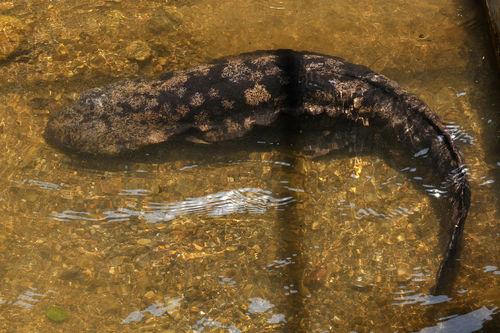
{"type": "Point", "coordinates": [248, 236]}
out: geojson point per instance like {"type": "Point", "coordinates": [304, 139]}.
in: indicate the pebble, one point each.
{"type": "Point", "coordinates": [164, 21]}
{"type": "Point", "coordinates": [404, 273]}
{"type": "Point", "coordinates": [144, 241]}
{"type": "Point", "coordinates": [149, 295]}
{"type": "Point", "coordinates": [138, 50]}
{"type": "Point", "coordinates": [117, 261]}
{"type": "Point", "coordinates": [257, 248]}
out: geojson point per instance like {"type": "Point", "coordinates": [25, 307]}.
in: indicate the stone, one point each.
{"type": "Point", "coordinates": [56, 314]}
{"type": "Point", "coordinates": [12, 36]}
{"type": "Point", "coordinates": [144, 241]}
{"type": "Point", "coordinates": [164, 21]}
{"type": "Point", "coordinates": [150, 295]}
{"type": "Point", "coordinates": [138, 50]}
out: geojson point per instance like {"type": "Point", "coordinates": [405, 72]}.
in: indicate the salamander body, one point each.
{"type": "Point", "coordinates": [227, 98]}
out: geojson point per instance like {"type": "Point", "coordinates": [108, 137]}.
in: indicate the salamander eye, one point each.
{"type": "Point", "coordinates": [93, 101]}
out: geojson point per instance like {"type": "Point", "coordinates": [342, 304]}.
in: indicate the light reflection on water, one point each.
{"type": "Point", "coordinates": [355, 249]}
{"type": "Point", "coordinates": [209, 323]}
{"type": "Point", "coordinates": [420, 299]}
{"type": "Point", "coordinates": [156, 309]}
{"type": "Point", "coordinates": [26, 300]}
{"type": "Point", "coordinates": [244, 200]}
{"type": "Point", "coordinates": [466, 323]}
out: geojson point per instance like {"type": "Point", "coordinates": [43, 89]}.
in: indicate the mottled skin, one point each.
{"type": "Point", "coordinates": [225, 99]}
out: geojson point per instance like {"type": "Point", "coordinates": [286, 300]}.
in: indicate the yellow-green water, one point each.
{"type": "Point", "coordinates": [272, 241]}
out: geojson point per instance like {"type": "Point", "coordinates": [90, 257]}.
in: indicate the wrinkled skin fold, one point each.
{"type": "Point", "coordinates": [226, 99]}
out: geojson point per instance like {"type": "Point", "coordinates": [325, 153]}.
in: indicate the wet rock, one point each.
{"type": "Point", "coordinates": [144, 241]}
{"type": "Point", "coordinates": [142, 260]}
{"type": "Point", "coordinates": [12, 36]}
{"type": "Point", "coordinates": [163, 21]}
{"type": "Point", "coordinates": [73, 274]}
{"type": "Point", "coordinates": [404, 273]}
{"type": "Point", "coordinates": [56, 314]}
{"type": "Point", "coordinates": [316, 225]}
{"type": "Point", "coordinates": [150, 295]}
{"type": "Point", "coordinates": [117, 261]}
{"type": "Point", "coordinates": [62, 52]}
{"type": "Point", "coordinates": [138, 50]}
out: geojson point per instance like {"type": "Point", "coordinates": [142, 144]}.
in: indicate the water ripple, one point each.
{"type": "Point", "coordinates": [27, 300]}
{"type": "Point", "coordinates": [457, 133]}
{"type": "Point", "coordinates": [259, 305]}
{"type": "Point", "coordinates": [491, 269]}
{"type": "Point", "coordinates": [365, 212]}
{"type": "Point", "coordinates": [420, 299]}
{"type": "Point", "coordinates": [157, 309]}
{"type": "Point", "coordinates": [278, 263]}
{"type": "Point", "coordinates": [277, 5]}
{"type": "Point", "coordinates": [466, 323]}
{"type": "Point", "coordinates": [244, 200]}
{"type": "Point", "coordinates": [41, 184]}
{"type": "Point", "coordinates": [135, 192]}
{"type": "Point", "coordinates": [212, 323]}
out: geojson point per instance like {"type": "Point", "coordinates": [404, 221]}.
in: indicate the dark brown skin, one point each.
{"type": "Point", "coordinates": [224, 100]}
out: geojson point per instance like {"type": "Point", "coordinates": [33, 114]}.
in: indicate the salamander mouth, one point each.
{"type": "Point", "coordinates": [54, 133]}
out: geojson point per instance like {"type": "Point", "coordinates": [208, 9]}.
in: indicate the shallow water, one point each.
{"type": "Point", "coordinates": [246, 236]}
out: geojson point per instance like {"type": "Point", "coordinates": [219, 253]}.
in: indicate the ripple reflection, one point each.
{"type": "Point", "coordinates": [156, 310]}
{"type": "Point", "coordinates": [244, 200]}
{"type": "Point", "coordinates": [466, 323]}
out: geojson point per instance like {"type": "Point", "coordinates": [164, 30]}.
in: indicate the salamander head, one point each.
{"type": "Point", "coordinates": [106, 121]}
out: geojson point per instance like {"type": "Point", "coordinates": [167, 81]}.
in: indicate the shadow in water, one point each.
{"type": "Point", "coordinates": [346, 140]}
{"type": "Point", "coordinates": [487, 101]}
